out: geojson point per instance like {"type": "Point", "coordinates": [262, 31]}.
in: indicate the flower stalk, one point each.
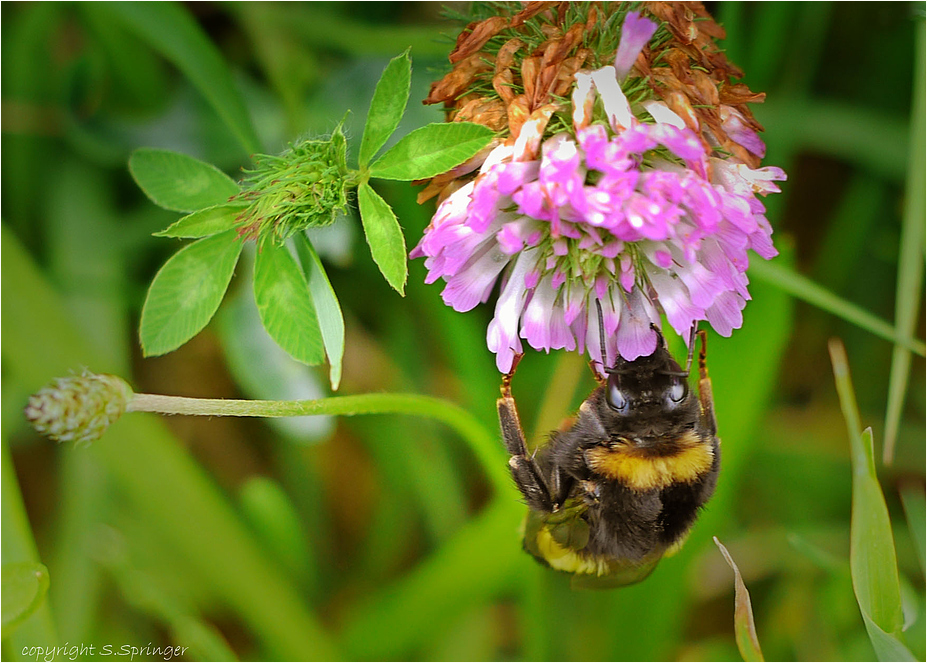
{"type": "Point", "coordinates": [81, 408]}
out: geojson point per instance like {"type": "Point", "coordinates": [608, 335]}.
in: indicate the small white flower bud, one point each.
{"type": "Point", "coordinates": [78, 408]}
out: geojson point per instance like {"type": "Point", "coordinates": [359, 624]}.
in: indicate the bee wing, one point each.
{"type": "Point", "coordinates": [557, 540]}
{"type": "Point", "coordinates": [620, 574]}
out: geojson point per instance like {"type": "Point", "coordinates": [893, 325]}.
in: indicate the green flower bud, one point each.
{"type": "Point", "coordinates": [306, 186]}
{"type": "Point", "coordinates": [78, 408]}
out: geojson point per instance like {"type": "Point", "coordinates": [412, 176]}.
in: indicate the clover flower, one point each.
{"type": "Point", "coordinates": [78, 408]}
{"type": "Point", "coordinates": [638, 203]}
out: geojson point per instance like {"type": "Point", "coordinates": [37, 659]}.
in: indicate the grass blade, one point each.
{"type": "Point", "coordinates": [808, 291]}
{"type": "Point", "coordinates": [873, 564]}
{"type": "Point", "coordinates": [470, 568]}
{"type": "Point", "coordinates": [744, 626]}
{"type": "Point", "coordinates": [910, 260]}
{"type": "Point", "coordinates": [25, 585]}
{"type": "Point", "coordinates": [171, 31]}
{"type": "Point", "coordinates": [19, 546]}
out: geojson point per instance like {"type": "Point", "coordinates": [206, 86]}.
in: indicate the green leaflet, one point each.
{"type": "Point", "coordinates": [282, 297]}
{"type": "Point", "coordinates": [387, 106]}
{"type": "Point", "coordinates": [178, 182]}
{"type": "Point", "coordinates": [186, 292]}
{"type": "Point", "coordinates": [205, 222]}
{"type": "Point", "coordinates": [431, 150]}
{"type": "Point", "coordinates": [384, 236]}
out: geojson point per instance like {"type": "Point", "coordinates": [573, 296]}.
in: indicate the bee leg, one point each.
{"type": "Point", "coordinates": [527, 474]}
{"type": "Point", "coordinates": [561, 484]}
{"type": "Point", "coordinates": [507, 378]}
{"type": "Point", "coordinates": [704, 388]}
{"type": "Point", "coordinates": [595, 373]}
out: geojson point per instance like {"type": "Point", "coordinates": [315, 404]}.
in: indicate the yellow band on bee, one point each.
{"type": "Point", "coordinates": [641, 472]}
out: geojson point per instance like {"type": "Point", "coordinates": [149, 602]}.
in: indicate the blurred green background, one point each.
{"type": "Point", "coordinates": [387, 537]}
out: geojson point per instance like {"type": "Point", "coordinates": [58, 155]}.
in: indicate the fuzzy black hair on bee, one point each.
{"type": "Point", "coordinates": [619, 488]}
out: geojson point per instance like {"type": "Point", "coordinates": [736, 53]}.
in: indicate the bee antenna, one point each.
{"type": "Point", "coordinates": [598, 306]}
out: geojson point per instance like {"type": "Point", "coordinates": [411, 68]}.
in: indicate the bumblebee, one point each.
{"type": "Point", "coordinates": [621, 484]}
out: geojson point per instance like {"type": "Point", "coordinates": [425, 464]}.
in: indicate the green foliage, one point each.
{"type": "Point", "coordinates": [744, 626]}
{"type": "Point", "coordinates": [384, 236]}
{"type": "Point", "coordinates": [873, 564]}
{"type": "Point", "coordinates": [187, 291]}
{"type": "Point", "coordinates": [396, 536]}
{"type": "Point", "coordinates": [178, 182]}
{"type": "Point", "coordinates": [285, 305]}
{"type": "Point", "coordinates": [431, 150]}
{"type": "Point", "coordinates": [304, 187]}
{"type": "Point", "coordinates": [172, 32]}
{"type": "Point", "coordinates": [911, 259]}
{"type": "Point", "coordinates": [205, 222]}
{"type": "Point", "coordinates": [387, 106]}
{"type": "Point", "coordinates": [281, 197]}
{"type": "Point", "coordinates": [331, 320]}
{"type": "Point", "coordinates": [25, 585]}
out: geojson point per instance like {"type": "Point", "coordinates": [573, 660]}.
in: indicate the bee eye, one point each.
{"type": "Point", "coordinates": [616, 398]}
{"type": "Point", "coordinates": [677, 391]}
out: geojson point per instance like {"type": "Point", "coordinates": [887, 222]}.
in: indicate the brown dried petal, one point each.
{"type": "Point", "coordinates": [531, 9]}
{"type": "Point", "coordinates": [565, 76]}
{"type": "Point", "coordinates": [706, 91]}
{"type": "Point", "coordinates": [739, 93]}
{"type": "Point", "coordinates": [668, 81]}
{"type": "Point", "coordinates": [706, 24]}
{"type": "Point", "coordinates": [679, 104]}
{"type": "Point", "coordinates": [741, 153]}
{"type": "Point", "coordinates": [560, 50]}
{"type": "Point", "coordinates": [488, 112]}
{"type": "Point", "coordinates": [506, 55]}
{"type": "Point", "coordinates": [475, 36]}
{"type": "Point", "coordinates": [678, 61]}
{"type": "Point", "coordinates": [718, 62]}
{"type": "Point", "coordinates": [517, 112]}
{"type": "Point", "coordinates": [551, 32]}
{"type": "Point", "coordinates": [457, 80]}
{"type": "Point", "coordinates": [502, 84]}
{"type": "Point", "coordinates": [530, 68]}
{"type": "Point", "coordinates": [433, 189]}
{"type": "Point", "coordinates": [681, 19]}
{"type": "Point", "coordinates": [536, 123]}
{"type": "Point", "coordinates": [711, 123]}
{"type": "Point", "coordinates": [591, 19]}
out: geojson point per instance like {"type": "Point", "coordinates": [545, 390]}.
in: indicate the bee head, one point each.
{"type": "Point", "coordinates": [647, 385]}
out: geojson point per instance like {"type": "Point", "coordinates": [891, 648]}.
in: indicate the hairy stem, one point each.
{"type": "Point", "coordinates": [483, 443]}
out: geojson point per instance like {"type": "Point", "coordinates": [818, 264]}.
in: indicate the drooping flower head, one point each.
{"type": "Point", "coordinates": [632, 184]}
